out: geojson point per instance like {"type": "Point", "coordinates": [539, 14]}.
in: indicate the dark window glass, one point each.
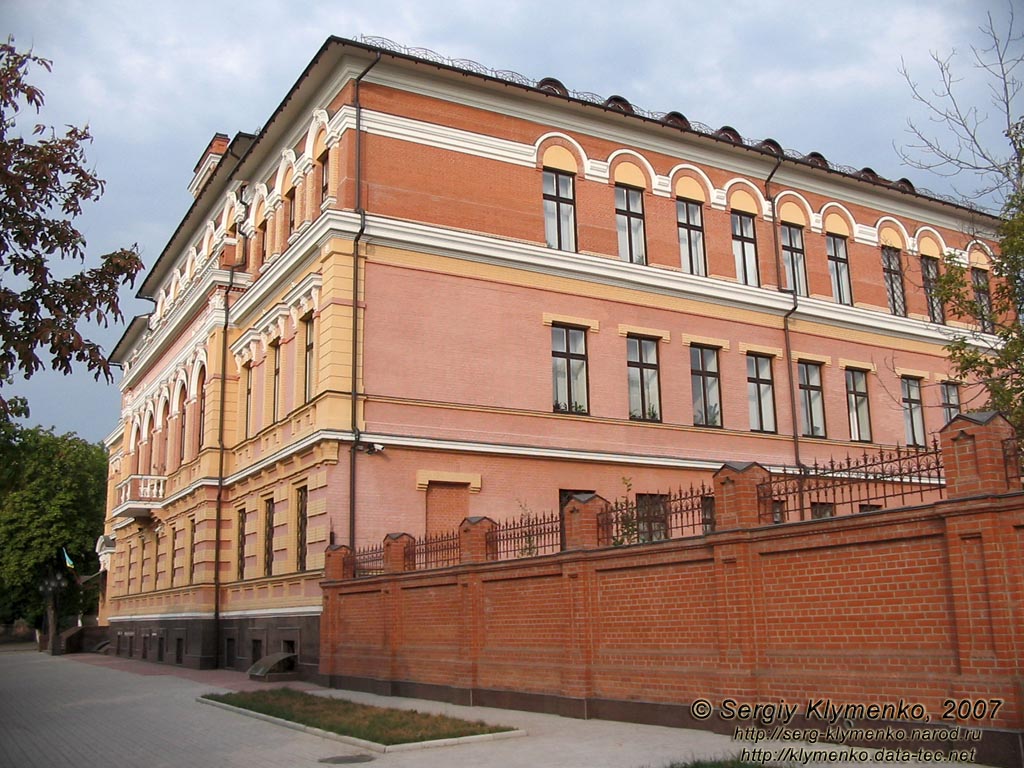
{"type": "Point", "coordinates": [950, 393]}
{"type": "Point", "coordinates": [744, 249]}
{"type": "Point", "coordinates": [325, 174]}
{"type": "Point", "coordinates": [301, 520]}
{"type": "Point", "coordinates": [793, 259]}
{"type": "Point", "coordinates": [569, 369]}
{"type": "Point", "coordinates": [642, 370]}
{"type": "Point", "coordinates": [983, 299]}
{"type": "Point", "coordinates": [268, 537]}
{"type": "Point", "coordinates": [248, 399]}
{"type": "Point", "coordinates": [560, 210]}
{"type": "Point", "coordinates": [812, 399]}
{"type": "Point", "coordinates": [629, 220]}
{"type": "Point", "coordinates": [857, 405]}
{"type": "Point", "coordinates": [307, 360]}
{"type": "Point", "coordinates": [913, 410]}
{"type": "Point", "coordinates": [892, 269]}
{"type": "Point", "coordinates": [241, 544]}
{"type": "Point", "coordinates": [277, 381]}
{"type": "Point", "coordinates": [201, 392]}
{"type": "Point", "coordinates": [289, 201]}
{"type": "Point", "coordinates": [690, 218]}
{"type": "Point", "coordinates": [839, 269]}
{"type": "Point", "coordinates": [760, 393]}
{"type": "Point", "coordinates": [930, 279]}
{"type": "Point", "coordinates": [182, 427]}
{"type": "Point", "coordinates": [704, 377]}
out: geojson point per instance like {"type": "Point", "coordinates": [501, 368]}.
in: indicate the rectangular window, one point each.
{"type": "Point", "coordinates": [629, 220]}
{"type": "Point", "coordinates": [690, 219]}
{"type": "Point", "coordinates": [307, 360]}
{"type": "Point", "coordinates": [930, 280]}
{"type": "Point", "coordinates": [744, 249]}
{"type": "Point", "coordinates": [248, 399]}
{"type": "Point", "coordinates": [913, 410]}
{"type": "Point", "coordinates": [950, 393]}
{"type": "Point", "coordinates": [822, 509]}
{"type": "Point", "coordinates": [301, 520]}
{"type": "Point", "coordinates": [174, 554]}
{"type": "Point", "coordinates": [892, 269]}
{"type": "Point", "coordinates": [201, 426]}
{"type": "Point", "coordinates": [812, 399]}
{"type": "Point", "coordinates": [793, 260]}
{"type": "Point", "coordinates": [192, 550]}
{"type": "Point", "coordinates": [559, 210]}
{"type": "Point", "coordinates": [569, 369]}
{"type": "Point", "coordinates": [707, 400]}
{"type": "Point", "coordinates": [983, 299]}
{"type": "Point", "coordinates": [651, 517]}
{"type": "Point", "coordinates": [642, 371]}
{"type": "Point", "coordinates": [839, 269]}
{"type": "Point", "coordinates": [268, 537]}
{"type": "Point", "coordinates": [325, 174]}
{"type": "Point", "coordinates": [289, 201]}
{"type": "Point", "coordinates": [277, 380]}
{"type": "Point", "coordinates": [241, 544]}
{"type": "Point", "coordinates": [760, 393]}
{"type": "Point", "coordinates": [262, 243]}
{"type": "Point", "coordinates": [857, 405]}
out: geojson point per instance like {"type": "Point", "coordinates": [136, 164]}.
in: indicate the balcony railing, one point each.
{"type": "Point", "coordinates": [138, 494]}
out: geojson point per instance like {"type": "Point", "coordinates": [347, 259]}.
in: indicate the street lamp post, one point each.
{"type": "Point", "coordinates": [51, 588]}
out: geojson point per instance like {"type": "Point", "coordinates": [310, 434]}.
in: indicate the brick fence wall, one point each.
{"type": "Point", "coordinates": [919, 604]}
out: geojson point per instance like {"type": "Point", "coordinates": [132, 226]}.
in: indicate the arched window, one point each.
{"type": "Point", "coordinates": [181, 426]}
{"type": "Point", "coordinates": [166, 442]}
{"type": "Point", "coordinates": [201, 407]}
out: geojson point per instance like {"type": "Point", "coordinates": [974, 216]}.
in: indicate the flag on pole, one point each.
{"type": "Point", "coordinates": [67, 559]}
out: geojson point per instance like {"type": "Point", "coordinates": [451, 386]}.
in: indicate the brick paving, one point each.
{"type": "Point", "coordinates": [90, 710]}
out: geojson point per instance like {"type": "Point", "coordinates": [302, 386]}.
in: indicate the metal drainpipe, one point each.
{"type": "Point", "coordinates": [354, 384]}
{"type": "Point", "coordinates": [785, 318]}
{"type": "Point", "coordinates": [221, 447]}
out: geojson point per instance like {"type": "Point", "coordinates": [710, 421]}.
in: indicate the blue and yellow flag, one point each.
{"type": "Point", "coordinates": [67, 559]}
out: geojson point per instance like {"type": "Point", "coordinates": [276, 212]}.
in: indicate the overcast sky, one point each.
{"type": "Point", "coordinates": [156, 81]}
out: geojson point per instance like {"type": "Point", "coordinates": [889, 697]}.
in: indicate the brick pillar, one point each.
{"type": "Point", "coordinates": [339, 563]}
{"type": "Point", "coordinates": [473, 539]}
{"type": "Point", "coordinates": [736, 503]}
{"type": "Point", "coordinates": [579, 517]}
{"type": "Point", "coordinates": [972, 455]}
{"type": "Point", "coordinates": [395, 545]}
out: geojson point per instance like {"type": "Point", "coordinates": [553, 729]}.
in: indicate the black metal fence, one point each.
{"type": "Point", "coordinates": [657, 516]}
{"type": "Point", "coordinates": [433, 551]}
{"type": "Point", "coordinates": [529, 535]}
{"type": "Point", "coordinates": [889, 478]}
{"type": "Point", "coordinates": [370, 561]}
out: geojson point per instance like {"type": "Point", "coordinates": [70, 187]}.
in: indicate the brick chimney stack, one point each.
{"type": "Point", "coordinates": [208, 162]}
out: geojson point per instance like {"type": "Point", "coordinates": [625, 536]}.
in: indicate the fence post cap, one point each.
{"type": "Point", "coordinates": [739, 466]}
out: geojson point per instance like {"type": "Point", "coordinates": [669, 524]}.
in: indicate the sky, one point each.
{"type": "Point", "coordinates": [154, 82]}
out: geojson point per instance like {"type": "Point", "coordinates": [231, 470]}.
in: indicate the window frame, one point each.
{"type": "Point", "coordinates": [700, 378]}
{"type": "Point", "coordinates": [951, 406]}
{"type": "Point", "coordinates": [811, 413]}
{"type": "Point", "coordinates": [839, 268]}
{"type": "Point", "coordinates": [201, 399]}
{"type": "Point", "coordinates": [929, 281]}
{"type": "Point", "coordinates": [572, 405]}
{"type": "Point", "coordinates": [182, 425]}
{"type": "Point", "coordinates": [324, 162]}
{"type": "Point", "coordinates": [757, 387]}
{"type": "Point", "coordinates": [301, 526]}
{"type": "Point", "coordinates": [792, 255]}
{"type": "Point", "coordinates": [268, 536]}
{"type": "Point", "coordinates": [980, 282]}
{"type": "Point", "coordinates": [642, 365]}
{"type": "Point", "coordinates": [744, 248]}
{"type": "Point", "coordinates": [308, 359]}
{"type": "Point", "coordinates": [248, 399]}
{"type": "Point", "coordinates": [625, 217]}
{"type": "Point", "coordinates": [276, 382]}
{"type": "Point", "coordinates": [855, 397]}
{"type": "Point", "coordinates": [913, 411]}
{"type": "Point", "coordinates": [240, 543]}
{"type": "Point", "coordinates": [691, 236]}
{"type": "Point", "coordinates": [289, 200]}
{"type": "Point", "coordinates": [892, 274]}
{"type": "Point", "coordinates": [555, 204]}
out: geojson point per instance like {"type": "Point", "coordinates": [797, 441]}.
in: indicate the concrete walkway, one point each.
{"type": "Point", "coordinates": [85, 710]}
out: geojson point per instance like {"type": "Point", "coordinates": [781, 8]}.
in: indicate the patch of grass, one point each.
{"type": "Point", "coordinates": [378, 724]}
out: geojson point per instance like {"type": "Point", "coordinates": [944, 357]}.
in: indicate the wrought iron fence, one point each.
{"type": "Point", "coordinates": [437, 551]}
{"type": "Point", "coordinates": [658, 516]}
{"type": "Point", "coordinates": [529, 535]}
{"type": "Point", "coordinates": [370, 561]}
{"type": "Point", "coordinates": [866, 483]}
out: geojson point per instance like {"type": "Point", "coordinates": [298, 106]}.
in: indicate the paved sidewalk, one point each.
{"type": "Point", "coordinates": [87, 709]}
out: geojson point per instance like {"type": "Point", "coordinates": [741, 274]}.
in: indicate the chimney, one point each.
{"type": "Point", "coordinates": [208, 163]}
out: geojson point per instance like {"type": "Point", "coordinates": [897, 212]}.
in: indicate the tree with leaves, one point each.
{"type": "Point", "coordinates": [958, 143]}
{"type": "Point", "coordinates": [52, 498]}
{"type": "Point", "coordinates": [44, 183]}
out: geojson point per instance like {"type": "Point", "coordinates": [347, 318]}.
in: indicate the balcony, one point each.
{"type": "Point", "coordinates": [138, 495]}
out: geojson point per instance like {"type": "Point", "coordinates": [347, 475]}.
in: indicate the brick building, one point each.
{"type": "Point", "coordinates": [426, 291]}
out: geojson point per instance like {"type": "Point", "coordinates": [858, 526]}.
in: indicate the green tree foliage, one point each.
{"type": "Point", "coordinates": [52, 495]}
{"type": "Point", "coordinates": [44, 183]}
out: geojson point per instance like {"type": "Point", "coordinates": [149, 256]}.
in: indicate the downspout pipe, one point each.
{"type": "Point", "coordinates": [786, 333]}
{"type": "Point", "coordinates": [240, 260]}
{"type": "Point", "coordinates": [354, 382]}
